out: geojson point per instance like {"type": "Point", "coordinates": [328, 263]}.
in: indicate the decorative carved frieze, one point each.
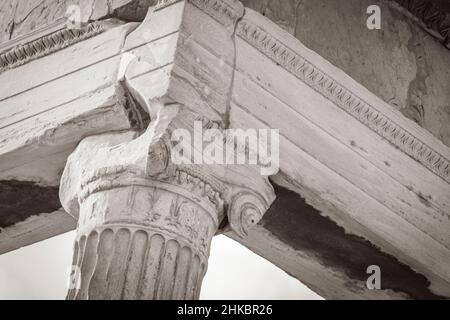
{"type": "Point", "coordinates": [343, 97]}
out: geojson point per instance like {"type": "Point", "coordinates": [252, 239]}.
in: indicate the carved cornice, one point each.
{"type": "Point", "coordinates": [227, 12]}
{"type": "Point", "coordinates": [430, 15]}
{"type": "Point", "coordinates": [48, 44]}
{"type": "Point", "coordinates": [344, 98]}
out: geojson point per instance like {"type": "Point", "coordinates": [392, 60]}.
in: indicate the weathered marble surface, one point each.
{"type": "Point", "coordinates": [400, 63]}
{"type": "Point", "coordinates": [418, 84]}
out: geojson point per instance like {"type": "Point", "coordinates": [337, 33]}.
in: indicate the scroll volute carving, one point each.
{"type": "Point", "coordinates": [238, 191]}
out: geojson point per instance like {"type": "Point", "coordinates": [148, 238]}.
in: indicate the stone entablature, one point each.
{"type": "Point", "coordinates": [353, 157]}
{"type": "Point", "coordinates": [145, 224]}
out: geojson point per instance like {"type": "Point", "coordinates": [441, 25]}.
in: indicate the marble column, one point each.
{"type": "Point", "coordinates": [145, 224]}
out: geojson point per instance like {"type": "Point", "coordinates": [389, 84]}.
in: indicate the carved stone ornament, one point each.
{"type": "Point", "coordinates": [430, 16]}
{"type": "Point", "coordinates": [344, 98]}
{"type": "Point", "coordinates": [145, 224]}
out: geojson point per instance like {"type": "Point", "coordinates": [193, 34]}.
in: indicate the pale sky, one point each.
{"type": "Point", "coordinates": [39, 271]}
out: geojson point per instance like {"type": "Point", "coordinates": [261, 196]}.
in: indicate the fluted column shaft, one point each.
{"type": "Point", "coordinates": [142, 241]}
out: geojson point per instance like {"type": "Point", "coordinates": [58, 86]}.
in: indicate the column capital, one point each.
{"type": "Point", "coordinates": [116, 160]}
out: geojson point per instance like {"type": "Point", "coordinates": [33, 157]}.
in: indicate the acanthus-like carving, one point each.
{"type": "Point", "coordinates": [344, 98]}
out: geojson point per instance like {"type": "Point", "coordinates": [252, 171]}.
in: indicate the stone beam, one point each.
{"type": "Point", "coordinates": [349, 154]}
{"type": "Point", "coordinates": [366, 170]}
{"type": "Point", "coordinates": [145, 223]}
{"type": "Point", "coordinates": [156, 216]}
